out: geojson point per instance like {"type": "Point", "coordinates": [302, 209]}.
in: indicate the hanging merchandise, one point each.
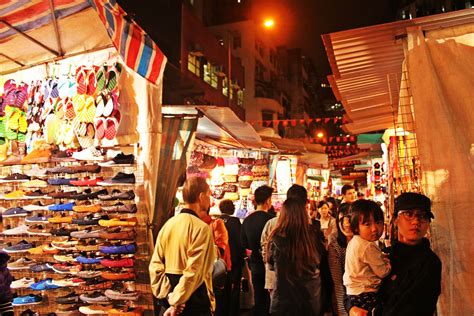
{"type": "Point", "coordinates": [73, 214]}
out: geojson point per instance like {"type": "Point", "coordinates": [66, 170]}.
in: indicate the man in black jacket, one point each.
{"type": "Point", "coordinates": [414, 284]}
{"type": "Point", "coordinates": [232, 287]}
{"type": "Point", "coordinates": [252, 228]}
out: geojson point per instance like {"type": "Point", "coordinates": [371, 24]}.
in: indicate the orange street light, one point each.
{"type": "Point", "coordinates": [269, 23]}
{"type": "Point", "coordinates": [320, 135]}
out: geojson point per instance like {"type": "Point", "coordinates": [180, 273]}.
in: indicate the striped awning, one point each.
{"type": "Point", "coordinates": [367, 70]}
{"type": "Point", "coordinates": [38, 31]}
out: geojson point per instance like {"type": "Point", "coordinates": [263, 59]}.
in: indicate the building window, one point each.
{"type": "Point", "coordinates": [237, 41]}
{"type": "Point", "coordinates": [267, 116]}
{"type": "Point", "coordinates": [194, 64]}
{"type": "Point", "coordinates": [225, 88]}
{"type": "Point", "coordinates": [240, 98]}
{"type": "Point", "coordinates": [210, 75]}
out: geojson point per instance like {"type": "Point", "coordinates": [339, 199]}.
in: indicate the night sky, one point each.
{"type": "Point", "coordinates": [298, 23]}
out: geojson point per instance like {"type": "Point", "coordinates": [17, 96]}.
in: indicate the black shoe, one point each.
{"type": "Point", "coordinates": [122, 159]}
{"type": "Point", "coordinates": [71, 298]}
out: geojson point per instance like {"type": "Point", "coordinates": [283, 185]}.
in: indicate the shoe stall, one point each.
{"type": "Point", "coordinates": [78, 180]}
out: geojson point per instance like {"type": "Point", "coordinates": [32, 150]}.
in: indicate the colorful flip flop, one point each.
{"type": "Point", "coordinates": [113, 75]}
{"type": "Point", "coordinates": [111, 128]}
{"type": "Point", "coordinates": [100, 128]}
{"type": "Point", "coordinates": [101, 79]}
{"type": "Point", "coordinates": [81, 80]}
{"type": "Point", "coordinates": [91, 82]}
{"type": "Point", "coordinates": [70, 114]}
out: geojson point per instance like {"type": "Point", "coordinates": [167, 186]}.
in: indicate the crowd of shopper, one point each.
{"type": "Point", "coordinates": [309, 259]}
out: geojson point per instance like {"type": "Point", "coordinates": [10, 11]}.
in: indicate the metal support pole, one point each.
{"type": "Point", "coordinates": [56, 28]}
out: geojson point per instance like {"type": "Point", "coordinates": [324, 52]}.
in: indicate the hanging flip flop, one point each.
{"type": "Point", "coordinates": [100, 128]}
{"type": "Point", "coordinates": [60, 109]}
{"type": "Point", "coordinates": [70, 114]}
{"type": "Point", "coordinates": [72, 87]}
{"type": "Point", "coordinates": [113, 75]}
{"type": "Point", "coordinates": [99, 105]}
{"type": "Point", "coordinates": [101, 79]}
{"type": "Point", "coordinates": [68, 134]}
{"type": "Point", "coordinates": [53, 85]}
{"type": "Point", "coordinates": [87, 140]}
{"type": "Point", "coordinates": [21, 95]}
{"type": "Point", "coordinates": [111, 128]}
{"type": "Point", "coordinates": [22, 123]}
{"type": "Point", "coordinates": [81, 80]}
{"type": "Point", "coordinates": [79, 102]}
{"type": "Point", "coordinates": [63, 88]}
{"type": "Point", "coordinates": [91, 82]}
{"type": "Point", "coordinates": [89, 110]}
{"type": "Point", "coordinates": [9, 92]}
{"type": "Point", "coordinates": [50, 128]}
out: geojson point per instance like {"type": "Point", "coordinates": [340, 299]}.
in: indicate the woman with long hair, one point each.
{"type": "Point", "coordinates": [293, 253]}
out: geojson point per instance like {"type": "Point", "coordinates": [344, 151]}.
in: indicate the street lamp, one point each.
{"type": "Point", "coordinates": [269, 23]}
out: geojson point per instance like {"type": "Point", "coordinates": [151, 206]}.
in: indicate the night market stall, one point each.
{"type": "Point", "coordinates": [78, 170]}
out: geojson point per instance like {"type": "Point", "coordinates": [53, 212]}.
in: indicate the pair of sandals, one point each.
{"type": "Point", "coordinates": [15, 94]}
{"type": "Point", "coordinates": [94, 80]}
{"type": "Point", "coordinates": [107, 116]}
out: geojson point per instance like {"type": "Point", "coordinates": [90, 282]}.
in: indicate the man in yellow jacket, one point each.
{"type": "Point", "coordinates": [181, 266]}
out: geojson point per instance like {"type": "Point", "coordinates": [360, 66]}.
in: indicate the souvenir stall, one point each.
{"type": "Point", "coordinates": [228, 153]}
{"type": "Point", "coordinates": [233, 174]}
{"type": "Point", "coordinates": [74, 164]}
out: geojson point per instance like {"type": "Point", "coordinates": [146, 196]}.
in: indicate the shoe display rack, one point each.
{"type": "Point", "coordinates": [77, 247]}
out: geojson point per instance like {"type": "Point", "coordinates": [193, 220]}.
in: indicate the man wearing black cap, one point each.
{"type": "Point", "coordinates": [414, 284]}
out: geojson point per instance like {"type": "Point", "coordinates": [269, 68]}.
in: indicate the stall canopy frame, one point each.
{"type": "Point", "coordinates": [366, 66]}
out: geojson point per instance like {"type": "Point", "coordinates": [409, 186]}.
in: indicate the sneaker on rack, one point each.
{"type": "Point", "coordinates": [94, 168]}
{"type": "Point", "coordinates": [125, 296]}
{"type": "Point", "coordinates": [118, 222]}
{"type": "Point", "coordinates": [36, 183]}
{"type": "Point", "coordinates": [61, 207]}
{"type": "Point", "coordinates": [64, 258]}
{"type": "Point", "coordinates": [119, 249]}
{"type": "Point", "coordinates": [36, 207]}
{"type": "Point", "coordinates": [119, 263]}
{"type": "Point", "coordinates": [43, 285]}
{"type": "Point", "coordinates": [117, 233]}
{"type": "Point", "coordinates": [69, 282]}
{"type": "Point", "coordinates": [126, 311]}
{"type": "Point", "coordinates": [20, 230]}
{"type": "Point", "coordinates": [38, 230]}
{"type": "Point", "coordinates": [62, 195]}
{"type": "Point", "coordinates": [64, 244]}
{"type": "Point", "coordinates": [22, 283]}
{"type": "Point", "coordinates": [86, 233]}
{"type": "Point", "coordinates": [91, 153]}
{"type": "Point", "coordinates": [38, 218]}
{"type": "Point", "coordinates": [87, 182]}
{"type": "Point", "coordinates": [117, 195]}
{"type": "Point", "coordinates": [66, 268]}
{"type": "Point", "coordinates": [89, 260]}
{"type": "Point", "coordinates": [89, 274]}
{"type": "Point", "coordinates": [21, 246]}
{"type": "Point", "coordinates": [63, 231]}
{"type": "Point", "coordinates": [95, 309]}
{"type": "Point", "coordinates": [15, 212]}
{"type": "Point", "coordinates": [29, 299]}
{"type": "Point", "coordinates": [37, 156]}
{"type": "Point", "coordinates": [61, 181]}
{"type": "Point", "coordinates": [23, 263]}
{"type": "Point", "coordinates": [120, 208]}
{"type": "Point", "coordinates": [120, 178]}
{"type": "Point", "coordinates": [15, 177]}
{"type": "Point", "coordinates": [15, 195]}
{"type": "Point", "coordinates": [95, 298]}
{"type": "Point", "coordinates": [69, 298]}
{"type": "Point", "coordinates": [40, 267]}
{"type": "Point", "coordinates": [119, 160]}
{"type": "Point", "coordinates": [36, 172]}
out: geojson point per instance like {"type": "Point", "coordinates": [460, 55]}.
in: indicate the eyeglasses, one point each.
{"type": "Point", "coordinates": [411, 215]}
